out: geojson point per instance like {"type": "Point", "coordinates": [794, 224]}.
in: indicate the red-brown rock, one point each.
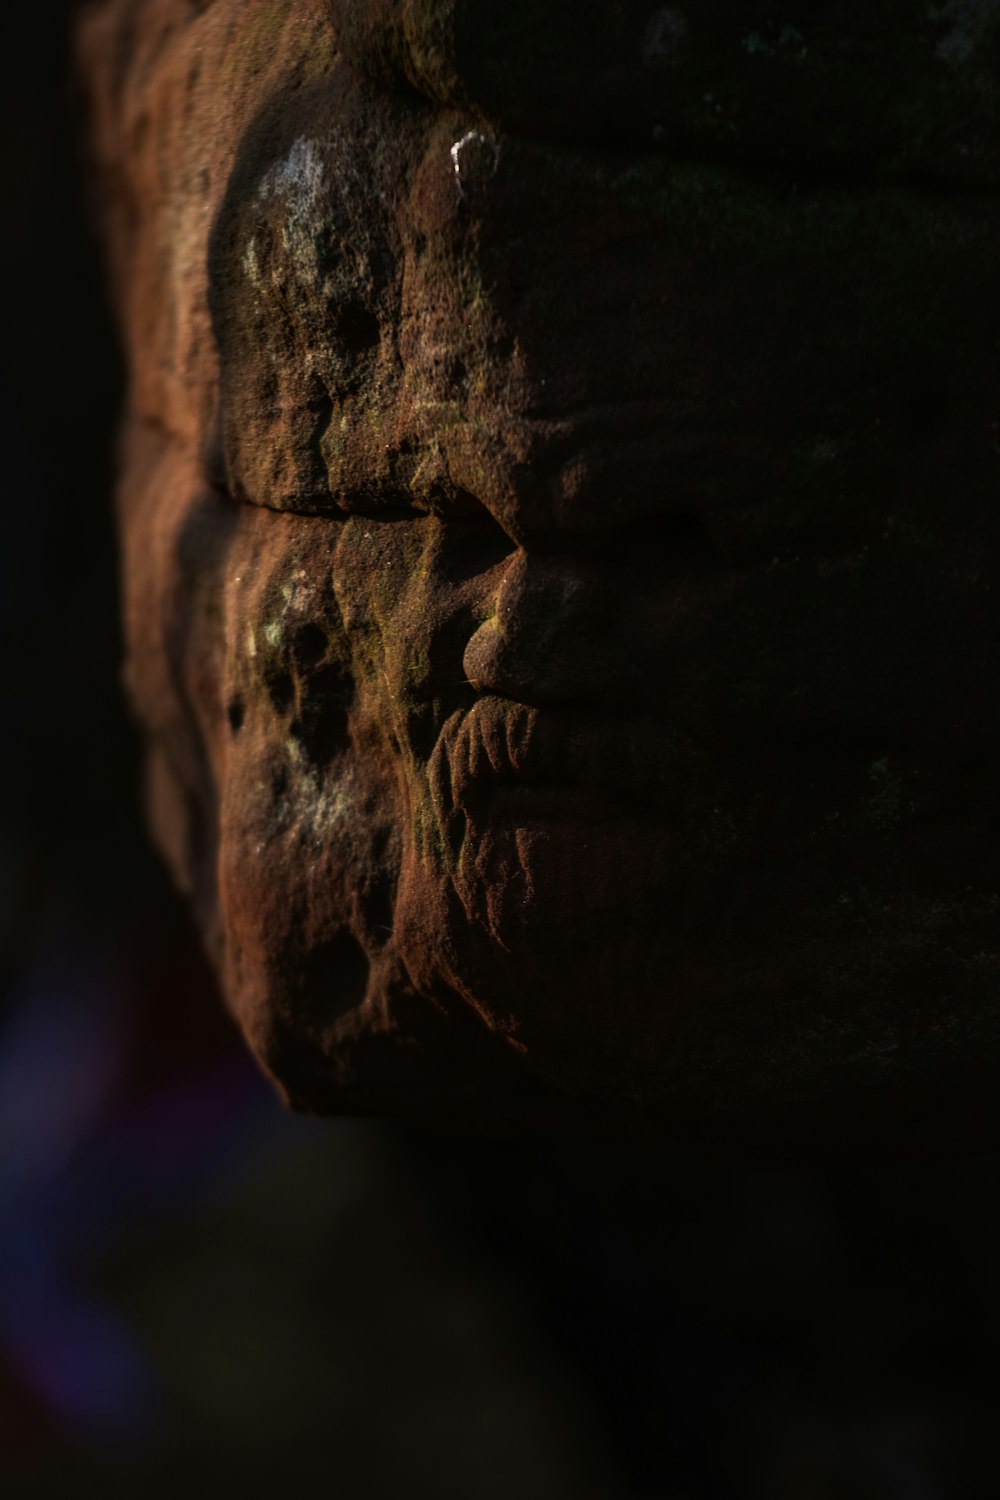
{"type": "Point", "coordinates": [561, 525]}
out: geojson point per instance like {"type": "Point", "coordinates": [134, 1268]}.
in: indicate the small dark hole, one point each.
{"type": "Point", "coordinates": [322, 728]}
{"type": "Point", "coordinates": [309, 645]}
{"type": "Point", "coordinates": [320, 404]}
{"type": "Point", "coordinates": [236, 714]}
{"type": "Point", "coordinates": [281, 689]}
{"type": "Point", "coordinates": [357, 327]}
{"type": "Point", "coordinates": [334, 978]}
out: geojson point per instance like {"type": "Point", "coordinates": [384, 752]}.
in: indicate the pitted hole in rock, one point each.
{"type": "Point", "coordinates": [320, 404]}
{"type": "Point", "coordinates": [321, 726]}
{"type": "Point", "coordinates": [235, 714]}
{"type": "Point", "coordinates": [333, 978]}
{"type": "Point", "coordinates": [281, 690]}
{"type": "Point", "coordinates": [458, 376]}
{"type": "Point", "coordinates": [309, 646]}
{"type": "Point", "coordinates": [356, 328]}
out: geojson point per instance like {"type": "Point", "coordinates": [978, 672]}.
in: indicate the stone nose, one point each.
{"type": "Point", "coordinates": [550, 639]}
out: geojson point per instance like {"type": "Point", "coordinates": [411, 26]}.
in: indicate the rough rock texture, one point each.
{"type": "Point", "coordinates": [560, 513]}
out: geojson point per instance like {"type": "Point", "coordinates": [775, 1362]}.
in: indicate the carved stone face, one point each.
{"type": "Point", "coordinates": [561, 517]}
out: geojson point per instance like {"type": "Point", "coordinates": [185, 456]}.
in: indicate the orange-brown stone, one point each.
{"type": "Point", "coordinates": [559, 502]}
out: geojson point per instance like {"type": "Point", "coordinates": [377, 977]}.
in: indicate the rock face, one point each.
{"type": "Point", "coordinates": [560, 516]}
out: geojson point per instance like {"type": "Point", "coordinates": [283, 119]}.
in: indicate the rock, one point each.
{"type": "Point", "coordinates": [559, 503]}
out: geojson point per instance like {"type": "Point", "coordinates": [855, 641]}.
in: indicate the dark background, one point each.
{"type": "Point", "coordinates": [197, 1289]}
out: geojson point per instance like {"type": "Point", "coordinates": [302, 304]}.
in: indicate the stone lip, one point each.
{"type": "Point", "coordinates": [511, 761]}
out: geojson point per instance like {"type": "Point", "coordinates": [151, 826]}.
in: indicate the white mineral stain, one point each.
{"type": "Point", "coordinates": [250, 263]}
{"type": "Point", "coordinates": [299, 176]}
{"type": "Point", "coordinates": [331, 802]}
{"type": "Point", "coordinates": [301, 182]}
{"type": "Point", "coordinates": [299, 179]}
{"type": "Point", "coordinates": [322, 188]}
{"type": "Point", "coordinates": [316, 802]}
{"type": "Point", "coordinates": [298, 594]}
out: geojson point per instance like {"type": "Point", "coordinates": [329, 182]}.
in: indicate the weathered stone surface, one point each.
{"type": "Point", "coordinates": [560, 514]}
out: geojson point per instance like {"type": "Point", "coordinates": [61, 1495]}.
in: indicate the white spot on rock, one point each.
{"type": "Point", "coordinates": [300, 181]}
{"type": "Point", "coordinates": [251, 264]}
{"type": "Point", "coordinates": [324, 192]}
{"type": "Point", "coordinates": [473, 155]}
{"type": "Point", "coordinates": [299, 176]}
{"type": "Point", "coordinates": [316, 804]}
